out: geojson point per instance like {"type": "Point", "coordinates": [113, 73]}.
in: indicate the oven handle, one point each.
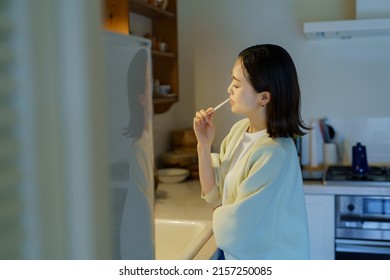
{"type": "Point", "coordinates": [362, 246]}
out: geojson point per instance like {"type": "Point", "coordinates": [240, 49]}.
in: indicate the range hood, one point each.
{"type": "Point", "coordinates": [345, 29]}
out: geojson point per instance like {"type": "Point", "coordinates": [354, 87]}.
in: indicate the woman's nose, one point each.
{"type": "Point", "coordinates": [229, 89]}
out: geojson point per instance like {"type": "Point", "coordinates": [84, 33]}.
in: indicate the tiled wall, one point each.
{"type": "Point", "coordinates": [374, 133]}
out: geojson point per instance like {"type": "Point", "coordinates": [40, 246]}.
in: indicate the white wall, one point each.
{"type": "Point", "coordinates": [339, 78]}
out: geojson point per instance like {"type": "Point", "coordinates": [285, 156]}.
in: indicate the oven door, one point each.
{"type": "Point", "coordinates": [354, 249]}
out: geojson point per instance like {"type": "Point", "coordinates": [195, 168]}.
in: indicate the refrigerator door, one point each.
{"type": "Point", "coordinates": [131, 160]}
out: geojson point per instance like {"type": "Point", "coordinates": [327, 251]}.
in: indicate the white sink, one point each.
{"type": "Point", "coordinates": [180, 239]}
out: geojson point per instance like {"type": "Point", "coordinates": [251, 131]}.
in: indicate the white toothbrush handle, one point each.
{"type": "Point", "coordinates": [220, 105]}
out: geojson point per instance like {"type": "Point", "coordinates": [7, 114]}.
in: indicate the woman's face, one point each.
{"type": "Point", "coordinates": [243, 98]}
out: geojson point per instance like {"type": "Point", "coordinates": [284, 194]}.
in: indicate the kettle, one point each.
{"type": "Point", "coordinates": [359, 159]}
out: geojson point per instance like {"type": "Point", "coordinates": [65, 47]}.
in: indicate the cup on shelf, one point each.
{"type": "Point", "coordinates": [164, 89]}
{"type": "Point", "coordinates": [163, 47]}
{"type": "Point", "coordinates": [162, 4]}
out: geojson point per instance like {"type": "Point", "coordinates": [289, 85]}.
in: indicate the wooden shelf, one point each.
{"type": "Point", "coordinates": [159, 100]}
{"type": "Point", "coordinates": [148, 10]}
{"type": "Point", "coordinates": [164, 29]}
{"type": "Point", "coordinates": [163, 54]}
{"type": "Point", "coordinates": [163, 104]}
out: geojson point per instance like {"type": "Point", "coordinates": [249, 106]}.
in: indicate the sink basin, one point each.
{"type": "Point", "coordinates": [180, 239]}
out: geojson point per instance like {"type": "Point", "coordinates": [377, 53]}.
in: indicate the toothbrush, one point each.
{"type": "Point", "coordinates": [219, 105]}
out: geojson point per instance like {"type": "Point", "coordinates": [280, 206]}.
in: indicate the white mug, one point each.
{"type": "Point", "coordinates": [330, 153]}
{"type": "Point", "coordinates": [163, 47]}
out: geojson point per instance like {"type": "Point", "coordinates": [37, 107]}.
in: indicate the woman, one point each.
{"type": "Point", "coordinates": [255, 181]}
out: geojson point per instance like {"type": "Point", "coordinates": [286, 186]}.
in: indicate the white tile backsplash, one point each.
{"type": "Point", "coordinates": [374, 133]}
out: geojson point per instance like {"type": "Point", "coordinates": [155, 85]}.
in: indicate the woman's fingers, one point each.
{"type": "Point", "coordinates": [201, 117]}
{"type": "Point", "coordinates": [203, 126]}
{"type": "Point", "coordinates": [210, 111]}
{"type": "Point", "coordinates": [205, 114]}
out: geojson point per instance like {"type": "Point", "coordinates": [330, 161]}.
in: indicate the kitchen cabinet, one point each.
{"type": "Point", "coordinates": [346, 29]}
{"type": "Point", "coordinates": [116, 16]}
{"type": "Point", "coordinates": [321, 221]}
{"type": "Point", "coordinates": [165, 63]}
{"type": "Point", "coordinates": [164, 29]}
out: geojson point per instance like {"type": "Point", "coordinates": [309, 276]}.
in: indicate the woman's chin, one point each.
{"type": "Point", "coordinates": [236, 111]}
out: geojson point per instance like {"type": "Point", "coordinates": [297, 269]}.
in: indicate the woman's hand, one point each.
{"type": "Point", "coordinates": [204, 127]}
{"type": "Point", "coordinates": [205, 130]}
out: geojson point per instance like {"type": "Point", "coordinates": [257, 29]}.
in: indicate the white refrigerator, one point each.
{"type": "Point", "coordinates": [131, 160]}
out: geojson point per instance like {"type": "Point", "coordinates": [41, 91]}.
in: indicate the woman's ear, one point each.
{"type": "Point", "coordinates": [264, 98]}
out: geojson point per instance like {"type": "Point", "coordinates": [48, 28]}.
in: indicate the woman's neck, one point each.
{"type": "Point", "coordinates": [256, 126]}
{"type": "Point", "coordinates": [257, 122]}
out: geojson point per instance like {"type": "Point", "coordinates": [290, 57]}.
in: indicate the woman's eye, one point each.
{"type": "Point", "coordinates": [232, 81]}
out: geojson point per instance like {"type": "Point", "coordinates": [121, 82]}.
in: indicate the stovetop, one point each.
{"type": "Point", "coordinates": [343, 175]}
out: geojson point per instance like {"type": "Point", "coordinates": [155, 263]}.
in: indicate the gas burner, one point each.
{"type": "Point", "coordinates": [344, 175]}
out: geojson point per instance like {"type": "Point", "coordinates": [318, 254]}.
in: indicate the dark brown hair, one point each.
{"type": "Point", "coordinates": [270, 68]}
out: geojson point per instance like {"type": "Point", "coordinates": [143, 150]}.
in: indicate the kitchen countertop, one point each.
{"type": "Point", "coordinates": [317, 187]}
{"type": "Point", "coordinates": [183, 201]}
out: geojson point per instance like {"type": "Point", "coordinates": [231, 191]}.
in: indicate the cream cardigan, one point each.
{"type": "Point", "coordinates": [265, 217]}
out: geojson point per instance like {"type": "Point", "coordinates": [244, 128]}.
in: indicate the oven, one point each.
{"type": "Point", "coordinates": [362, 227]}
{"type": "Point", "coordinates": [362, 230]}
